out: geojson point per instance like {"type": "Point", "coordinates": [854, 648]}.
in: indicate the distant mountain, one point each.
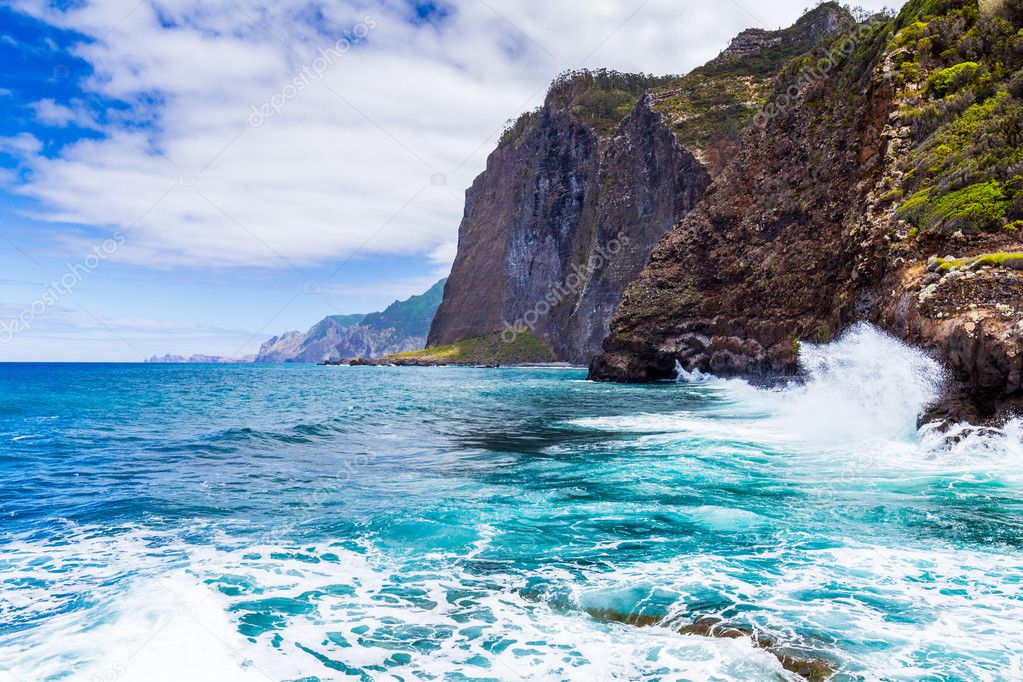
{"type": "Point", "coordinates": [401, 327]}
{"type": "Point", "coordinates": [199, 359]}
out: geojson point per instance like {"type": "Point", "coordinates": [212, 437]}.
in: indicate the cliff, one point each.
{"type": "Point", "coordinates": [560, 221]}
{"type": "Point", "coordinates": [883, 181]}
{"type": "Point", "coordinates": [578, 193]}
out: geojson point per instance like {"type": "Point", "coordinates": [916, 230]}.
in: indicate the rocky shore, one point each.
{"type": "Point", "coordinates": [888, 189]}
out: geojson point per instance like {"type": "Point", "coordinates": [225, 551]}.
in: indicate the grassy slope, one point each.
{"type": "Point", "coordinates": [960, 76]}
{"type": "Point", "coordinates": [722, 97]}
{"type": "Point", "coordinates": [482, 350]}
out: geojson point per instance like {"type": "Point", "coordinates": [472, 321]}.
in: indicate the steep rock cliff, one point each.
{"type": "Point", "coordinates": [842, 205]}
{"type": "Point", "coordinates": [541, 222]}
{"type": "Point", "coordinates": [578, 193]}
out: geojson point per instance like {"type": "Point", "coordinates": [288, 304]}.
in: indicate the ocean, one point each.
{"type": "Point", "coordinates": [191, 522]}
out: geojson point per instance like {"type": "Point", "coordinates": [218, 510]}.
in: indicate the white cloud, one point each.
{"type": "Point", "coordinates": [51, 113]}
{"type": "Point", "coordinates": [346, 165]}
{"type": "Point", "coordinates": [22, 145]}
{"type": "Point", "coordinates": [444, 255]}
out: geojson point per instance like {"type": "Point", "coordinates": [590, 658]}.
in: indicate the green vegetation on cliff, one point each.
{"type": "Point", "coordinates": [601, 99]}
{"type": "Point", "coordinates": [482, 350]}
{"type": "Point", "coordinates": [716, 100]}
{"type": "Point", "coordinates": [988, 260]}
{"type": "Point", "coordinates": [722, 97]}
{"type": "Point", "coordinates": [411, 317]}
{"type": "Point", "coordinates": [960, 76]}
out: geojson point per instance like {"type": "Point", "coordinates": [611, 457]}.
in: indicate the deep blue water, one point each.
{"type": "Point", "coordinates": [321, 523]}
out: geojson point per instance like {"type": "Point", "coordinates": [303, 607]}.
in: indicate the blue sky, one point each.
{"type": "Point", "coordinates": [217, 172]}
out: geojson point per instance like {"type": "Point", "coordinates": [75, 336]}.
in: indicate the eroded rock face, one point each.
{"type": "Point", "coordinates": [804, 234]}
{"type": "Point", "coordinates": [750, 41]}
{"type": "Point", "coordinates": [973, 321]}
{"type": "Point", "coordinates": [756, 267]}
{"type": "Point", "coordinates": [559, 223]}
{"type": "Point", "coordinates": [573, 202]}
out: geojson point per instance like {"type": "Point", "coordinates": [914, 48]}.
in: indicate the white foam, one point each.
{"type": "Point", "coordinates": [683, 376]}
{"type": "Point", "coordinates": [147, 617]}
{"type": "Point", "coordinates": [864, 386]}
{"type": "Point", "coordinates": [172, 624]}
{"type": "Point", "coordinates": [861, 399]}
{"type": "Point", "coordinates": [921, 603]}
{"type": "Point", "coordinates": [168, 621]}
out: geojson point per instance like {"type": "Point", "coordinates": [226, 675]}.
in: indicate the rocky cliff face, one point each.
{"type": "Point", "coordinates": [577, 195]}
{"type": "Point", "coordinates": [882, 183]}
{"type": "Point", "coordinates": [540, 226]}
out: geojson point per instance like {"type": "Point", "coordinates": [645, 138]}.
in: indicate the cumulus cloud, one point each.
{"type": "Point", "coordinates": [366, 156]}
{"type": "Point", "coordinates": [20, 146]}
{"type": "Point", "coordinates": [51, 113]}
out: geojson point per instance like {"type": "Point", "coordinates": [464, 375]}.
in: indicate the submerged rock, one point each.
{"type": "Point", "coordinates": [814, 669]}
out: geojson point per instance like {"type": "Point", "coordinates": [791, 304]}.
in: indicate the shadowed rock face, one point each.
{"type": "Point", "coordinates": [549, 208]}
{"type": "Point", "coordinates": [755, 268]}
{"type": "Point", "coordinates": [596, 179]}
{"type": "Point", "coordinates": [810, 228]}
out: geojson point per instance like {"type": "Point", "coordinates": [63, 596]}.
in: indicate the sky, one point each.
{"type": "Point", "coordinates": [195, 176]}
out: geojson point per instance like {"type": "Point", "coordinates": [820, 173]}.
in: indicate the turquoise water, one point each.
{"type": "Point", "coordinates": [327, 523]}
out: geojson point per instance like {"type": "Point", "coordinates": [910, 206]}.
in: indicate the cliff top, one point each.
{"type": "Point", "coordinates": [720, 98]}
{"type": "Point", "coordinates": [716, 99]}
{"type": "Point", "coordinates": [600, 98]}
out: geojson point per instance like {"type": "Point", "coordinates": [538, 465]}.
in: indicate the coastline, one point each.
{"type": "Point", "coordinates": [422, 362]}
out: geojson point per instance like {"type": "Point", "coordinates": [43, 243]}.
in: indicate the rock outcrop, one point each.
{"type": "Point", "coordinates": [894, 150]}
{"type": "Point", "coordinates": [578, 193]}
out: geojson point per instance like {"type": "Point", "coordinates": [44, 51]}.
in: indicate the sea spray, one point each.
{"type": "Point", "coordinates": [684, 376]}
{"type": "Point", "coordinates": [863, 386]}
{"type": "Point", "coordinates": [860, 399]}
{"type": "Point", "coordinates": [867, 385]}
{"type": "Point", "coordinates": [965, 443]}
